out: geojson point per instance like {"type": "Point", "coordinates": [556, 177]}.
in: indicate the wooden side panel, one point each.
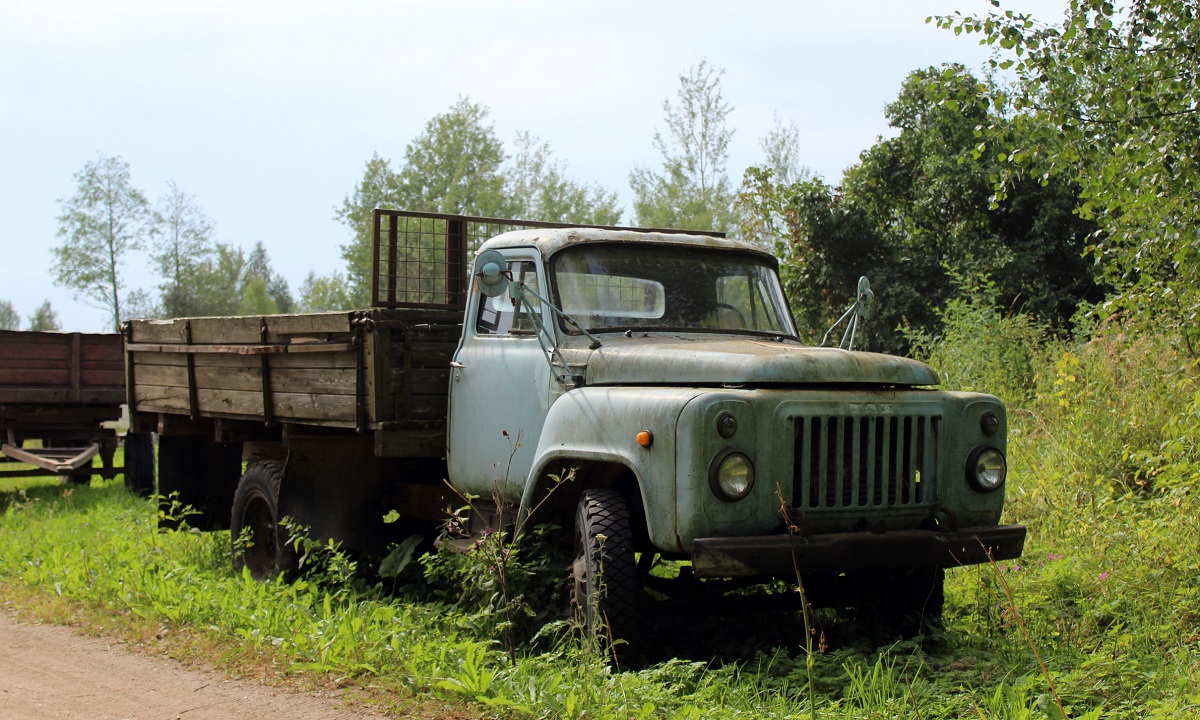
{"type": "Point", "coordinates": [420, 346]}
{"type": "Point", "coordinates": [53, 367]}
{"type": "Point", "coordinates": [101, 361]}
{"type": "Point", "coordinates": [402, 373]}
{"type": "Point", "coordinates": [254, 377]}
{"type": "Point", "coordinates": [35, 359]}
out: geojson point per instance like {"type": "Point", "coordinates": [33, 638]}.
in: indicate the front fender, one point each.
{"type": "Point", "coordinates": [601, 423]}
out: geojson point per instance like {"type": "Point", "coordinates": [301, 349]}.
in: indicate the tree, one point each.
{"type": "Point", "coordinates": [536, 187]}
{"type": "Point", "coordinates": [453, 166]}
{"type": "Point", "coordinates": [256, 299]}
{"type": "Point", "coordinates": [100, 224]}
{"type": "Point", "coordinates": [258, 268]}
{"type": "Point", "coordinates": [44, 318]}
{"type": "Point", "coordinates": [917, 216]}
{"type": "Point", "coordinates": [1110, 99]}
{"type": "Point", "coordinates": [692, 190]}
{"type": "Point", "coordinates": [781, 148]}
{"type": "Point", "coordinates": [379, 188]}
{"type": "Point", "coordinates": [10, 319]}
{"type": "Point", "coordinates": [218, 281]}
{"type": "Point", "coordinates": [321, 293]}
{"type": "Point", "coordinates": [182, 244]}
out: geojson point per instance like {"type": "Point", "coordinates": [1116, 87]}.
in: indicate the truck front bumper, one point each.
{"type": "Point", "coordinates": [783, 555]}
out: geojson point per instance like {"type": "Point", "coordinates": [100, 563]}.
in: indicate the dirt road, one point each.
{"type": "Point", "coordinates": [48, 671]}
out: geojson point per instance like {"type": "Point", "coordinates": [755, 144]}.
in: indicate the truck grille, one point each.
{"type": "Point", "coordinates": [857, 462]}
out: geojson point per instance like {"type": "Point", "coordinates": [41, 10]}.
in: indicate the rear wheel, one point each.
{"type": "Point", "coordinates": [604, 572]}
{"type": "Point", "coordinates": [259, 543]}
{"type": "Point", "coordinates": [139, 463]}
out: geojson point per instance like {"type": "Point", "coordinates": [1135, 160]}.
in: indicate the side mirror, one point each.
{"type": "Point", "coordinates": [491, 272]}
{"type": "Point", "coordinates": [866, 298]}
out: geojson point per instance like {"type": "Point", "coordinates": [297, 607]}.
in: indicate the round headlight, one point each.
{"type": "Point", "coordinates": [731, 476]}
{"type": "Point", "coordinates": [986, 469]}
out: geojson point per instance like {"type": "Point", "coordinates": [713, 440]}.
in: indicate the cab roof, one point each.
{"type": "Point", "coordinates": [549, 241]}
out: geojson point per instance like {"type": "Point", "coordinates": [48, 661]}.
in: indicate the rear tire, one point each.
{"type": "Point", "coordinates": [139, 463]}
{"type": "Point", "coordinates": [604, 572]}
{"type": "Point", "coordinates": [265, 550]}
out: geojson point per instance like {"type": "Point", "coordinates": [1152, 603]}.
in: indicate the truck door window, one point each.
{"type": "Point", "coordinates": [501, 315]}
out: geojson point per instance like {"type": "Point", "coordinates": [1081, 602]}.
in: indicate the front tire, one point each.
{"type": "Point", "coordinates": [604, 572]}
{"type": "Point", "coordinates": [259, 543]}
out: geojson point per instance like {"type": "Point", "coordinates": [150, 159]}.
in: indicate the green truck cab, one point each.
{"type": "Point", "coordinates": [670, 382]}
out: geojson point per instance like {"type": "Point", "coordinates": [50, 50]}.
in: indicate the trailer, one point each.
{"type": "Point", "coordinates": [60, 390]}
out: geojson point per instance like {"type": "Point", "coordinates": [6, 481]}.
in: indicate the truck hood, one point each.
{"type": "Point", "coordinates": [708, 360]}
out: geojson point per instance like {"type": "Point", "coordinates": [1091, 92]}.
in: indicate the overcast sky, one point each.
{"type": "Point", "coordinates": [266, 111]}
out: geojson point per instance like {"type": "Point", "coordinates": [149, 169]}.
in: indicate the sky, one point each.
{"type": "Point", "coordinates": [266, 111]}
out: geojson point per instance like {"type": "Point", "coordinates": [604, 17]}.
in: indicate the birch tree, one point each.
{"type": "Point", "coordinates": [100, 225]}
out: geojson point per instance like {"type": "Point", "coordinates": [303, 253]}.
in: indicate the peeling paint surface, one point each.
{"type": "Point", "coordinates": [731, 360]}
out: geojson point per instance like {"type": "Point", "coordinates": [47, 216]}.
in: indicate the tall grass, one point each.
{"type": "Point", "coordinates": [1103, 470]}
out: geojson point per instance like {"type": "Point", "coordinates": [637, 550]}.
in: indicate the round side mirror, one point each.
{"type": "Point", "coordinates": [866, 298]}
{"type": "Point", "coordinates": [491, 272]}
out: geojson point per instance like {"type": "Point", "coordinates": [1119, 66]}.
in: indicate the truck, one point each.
{"type": "Point", "coordinates": [644, 391]}
{"type": "Point", "coordinates": [60, 394]}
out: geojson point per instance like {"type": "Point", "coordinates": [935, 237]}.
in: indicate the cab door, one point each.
{"type": "Point", "coordinates": [499, 388]}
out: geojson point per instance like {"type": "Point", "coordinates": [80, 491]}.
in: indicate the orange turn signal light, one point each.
{"type": "Point", "coordinates": [645, 439]}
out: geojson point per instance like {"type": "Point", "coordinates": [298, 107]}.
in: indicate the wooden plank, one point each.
{"type": "Point", "coordinates": [334, 381]}
{"type": "Point", "coordinates": [153, 358]}
{"type": "Point", "coordinates": [164, 375]}
{"type": "Point", "coordinates": [160, 398]}
{"type": "Point", "coordinates": [34, 376]}
{"type": "Point", "coordinates": [226, 330]}
{"type": "Point", "coordinates": [243, 349]}
{"type": "Point", "coordinates": [309, 323]}
{"type": "Point", "coordinates": [101, 348]}
{"type": "Point", "coordinates": [427, 407]}
{"type": "Point", "coordinates": [156, 331]}
{"type": "Point", "coordinates": [63, 395]}
{"type": "Point", "coordinates": [286, 407]}
{"type": "Point", "coordinates": [432, 355]}
{"type": "Point", "coordinates": [107, 378]}
{"type": "Point", "coordinates": [19, 353]}
{"type": "Point", "coordinates": [300, 361]}
{"type": "Point", "coordinates": [425, 381]}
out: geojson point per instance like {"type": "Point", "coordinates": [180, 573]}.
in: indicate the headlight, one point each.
{"type": "Point", "coordinates": [986, 469]}
{"type": "Point", "coordinates": [731, 476]}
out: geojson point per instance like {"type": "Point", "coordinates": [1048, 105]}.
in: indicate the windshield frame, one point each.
{"type": "Point", "coordinates": [768, 287]}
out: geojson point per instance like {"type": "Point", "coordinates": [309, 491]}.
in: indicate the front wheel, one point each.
{"type": "Point", "coordinates": [259, 543]}
{"type": "Point", "coordinates": [604, 572]}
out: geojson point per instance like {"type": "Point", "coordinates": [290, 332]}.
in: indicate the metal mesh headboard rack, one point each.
{"type": "Point", "coordinates": [420, 259]}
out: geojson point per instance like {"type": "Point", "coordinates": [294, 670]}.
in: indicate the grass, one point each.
{"type": "Point", "coordinates": [1107, 593]}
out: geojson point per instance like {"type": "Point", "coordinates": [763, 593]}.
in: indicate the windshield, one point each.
{"type": "Point", "coordinates": [669, 287]}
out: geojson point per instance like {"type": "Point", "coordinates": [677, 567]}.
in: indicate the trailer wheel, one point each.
{"type": "Point", "coordinates": [139, 463]}
{"type": "Point", "coordinates": [259, 543]}
{"type": "Point", "coordinates": [604, 572]}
